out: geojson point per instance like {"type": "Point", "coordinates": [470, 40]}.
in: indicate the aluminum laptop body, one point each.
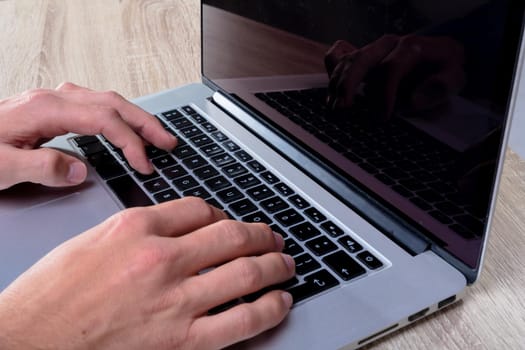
{"type": "Point", "coordinates": [426, 252]}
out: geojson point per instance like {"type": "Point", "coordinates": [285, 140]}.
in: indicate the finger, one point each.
{"type": "Point", "coordinates": [181, 216]}
{"type": "Point", "coordinates": [53, 115]}
{"type": "Point", "coordinates": [338, 50]}
{"type": "Point", "coordinates": [238, 278]}
{"type": "Point", "coordinates": [241, 322]}
{"type": "Point", "coordinates": [436, 88]}
{"type": "Point", "coordinates": [353, 68]}
{"type": "Point", "coordinates": [44, 166]}
{"type": "Point", "coordinates": [139, 120]}
{"type": "Point", "coordinates": [224, 241]}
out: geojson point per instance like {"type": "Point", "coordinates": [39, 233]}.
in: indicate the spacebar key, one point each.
{"type": "Point", "coordinates": [314, 283]}
{"type": "Point", "coordinates": [129, 193]}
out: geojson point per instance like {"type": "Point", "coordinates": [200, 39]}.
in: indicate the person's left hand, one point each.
{"type": "Point", "coordinates": [36, 116]}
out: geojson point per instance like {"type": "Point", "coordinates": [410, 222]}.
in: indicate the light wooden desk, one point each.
{"type": "Point", "coordinates": [143, 46]}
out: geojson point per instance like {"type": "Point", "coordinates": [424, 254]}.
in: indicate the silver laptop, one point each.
{"type": "Point", "coordinates": [386, 215]}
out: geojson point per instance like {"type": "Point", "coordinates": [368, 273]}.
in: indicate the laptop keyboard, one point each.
{"type": "Point", "coordinates": [208, 164]}
{"type": "Point", "coordinates": [408, 161]}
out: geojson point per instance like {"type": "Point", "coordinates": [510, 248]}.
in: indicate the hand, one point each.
{"type": "Point", "coordinates": [426, 70]}
{"type": "Point", "coordinates": [36, 116]}
{"type": "Point", "coordinates": [133, 282]}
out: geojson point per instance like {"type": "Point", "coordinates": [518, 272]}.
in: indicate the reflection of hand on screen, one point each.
{"type": "Point", "coordinates": [419, 71]}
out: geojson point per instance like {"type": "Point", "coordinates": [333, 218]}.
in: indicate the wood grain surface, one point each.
{"type": "Point", "coordinates": [137, 47]}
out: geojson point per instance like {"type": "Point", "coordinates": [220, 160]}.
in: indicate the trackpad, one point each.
{"type": "Point", "coordinates": [34, 222]}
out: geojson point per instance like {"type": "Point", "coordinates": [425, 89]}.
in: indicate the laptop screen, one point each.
{"type": "Point", "coordinates": [407, 99]}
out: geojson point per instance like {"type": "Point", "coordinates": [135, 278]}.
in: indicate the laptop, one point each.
{"type": "Point", "coordinates": [387, 215]}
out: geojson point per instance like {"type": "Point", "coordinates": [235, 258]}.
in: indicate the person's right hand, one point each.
{"type": "Point", "coordinates": [134, 282]}
{"type": "Point", "coordinates": [423, 70]}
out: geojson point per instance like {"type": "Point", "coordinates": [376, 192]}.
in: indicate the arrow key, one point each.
{"type": "Point", "coordinates": [342, 264]}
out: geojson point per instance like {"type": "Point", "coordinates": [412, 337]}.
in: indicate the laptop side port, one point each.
{"type": "Point", "coordinates": [446, 301]}
{"type": "Point", "coordinates": [417, 315]}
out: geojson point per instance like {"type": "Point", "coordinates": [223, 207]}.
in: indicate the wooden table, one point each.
{"type": "Point", "coordinates": [138, 47]}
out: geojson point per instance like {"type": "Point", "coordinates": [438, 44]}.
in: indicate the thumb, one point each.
{"type": "Point", "coordinates": [44, 166]}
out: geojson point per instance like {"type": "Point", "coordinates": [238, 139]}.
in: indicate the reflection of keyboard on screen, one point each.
{"type": "Point", "coordinates": [208, 164]}
{"type": "Point", "coordinates": [401, 157]}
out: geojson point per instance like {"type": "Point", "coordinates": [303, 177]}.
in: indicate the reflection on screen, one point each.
{"type": "Point", "coordinates": [413, 100]}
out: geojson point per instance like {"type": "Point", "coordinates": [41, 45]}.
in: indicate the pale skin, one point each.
{"type": "Point", "coordinates": [134, 281]}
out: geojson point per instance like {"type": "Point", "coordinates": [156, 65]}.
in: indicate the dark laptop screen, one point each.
{"type": "Point", "coordinates": [408, 99]}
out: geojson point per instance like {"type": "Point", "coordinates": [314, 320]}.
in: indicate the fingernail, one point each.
{"type": "Point", "coordinates": [279, 241]}
{"type": "Point", "coordinates": [287, 298]}
{"type": "Point", "coordinates": [77, 173]}
{"type": "Point", "coordinates": [289, 261]}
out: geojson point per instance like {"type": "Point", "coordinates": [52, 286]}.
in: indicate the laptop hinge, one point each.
{"type": "Point", "coordinates": [378, 215]}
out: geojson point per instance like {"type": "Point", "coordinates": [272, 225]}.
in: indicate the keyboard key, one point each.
{"type": "Point", "coordinates": [222, 159]}
{"type": "Point", "coordinates": [212, 149]}
{"type": "Point", "coordinates": [209, 126]}
{"type": "Point", "coordinates": [145, 177]}
{"type": "Point", "coordinates": [315, 215]}
{"type": "Point", "coordinates": [197, 192]}
{"type": "Point", "coordinates": [342, 264]}
{"type": "Point", "coordinates": [92, 148]}
{"type": "Point", "coordinates": [321, 246]}
{"type": "Point", "coordinates": [289, 217]}
{"type": "Point", "coordinates": [299, 202]}
{"type": "Point", "coordinates": [154, 152]}
{"type": "Point", "coordinates": [206, 172]}
{"type": "Point", "coordinates": [231, 146]}
{"type": "Point", "coordinates": [201, 140]}
{"type": "Point", "coordinates": [217, 183]}
{"type": "Point", "coordinates": [234, 170]}
{"type": "Point", "coordinates": [257, 217]}
{"type": "Point", "coordinates": [169, 115]}
{"type": "Point", "coordinates": [185, 183]}
{"type": "Point", "coordinates": [269, 177]}
{"type": "Point", "coordinates": [84, 140]}
{"type": "Point", "coordinates": [182, 152]}
{"type": "Point", "coordinates": [274, 204]}
{"type": "Point", "coordinates": [369, 260]}
{"type": "Point", "coordinates": [174, 172]}
{"type": "Point", "coordinates": [305, 231]}
{"type": "Point", "coordinates": [247, 181]}
{"type": "Point", "coordinates": [283, 189]}
{"type": "Point", "coordinates": [156, 185]}
{"type": "Point", "coordinates": [181, 123]}
{"type": "Point", "coordinates": [198, 118]}
{"type": "Point", "coordinates": [163, 161]}
{"type": "Point", "coordinates": [292, 248]}
{"type": "Point", "coordinates": [243, 207]}
{"type": "Point", "coordinates": [109, 170]}
{"type": "Point", "coordinates": [314, 284]}
{"type": "Point", "coordinates": [305, 263]}
{"type": "Point", "coordinates": [195, 162]}
{"type": "Point", "coordinates": [243, 156]}
{"type": "Point", "coordinates": [332, 229]}
{"type": "Point", "coordinates": [279, 230]}
{"type": "Point", "coordinates": [129, 193]}
{"type": "Point", "coordinates": [349, 244]}
{"type": "Point", "coordinates": [191, 131]}
{"type": "Point", "coordinates": [229, 195]}
{"type": "Point", "coordinates": [219, 136]}
{"type": "Point", "coordinates": [166, 196]}
{"type": "Point", "coordinates": [256, 166]}
{"type": "Point", "coordinates": [260, 192]}
{"type": "Point", "coordinates": [188, 110]}
{"type": "Point", "coordinates": [215, 203]}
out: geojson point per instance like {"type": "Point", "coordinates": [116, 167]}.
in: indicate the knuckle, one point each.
{"type": "Point", "coordinates": [250, 274]}
{"type": "Point", "coordinates": [113, 97]}
{"type": "Point", "coordinates": [249, 322]}
{"type": "Point", "coordinates": [66, 85]}
{"type": "Point", "coordinates": [200, 206]}
{"type": "Point", "coordinates": [136, 219]}
{"type": "Point", "coordinates": [235, 233]}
